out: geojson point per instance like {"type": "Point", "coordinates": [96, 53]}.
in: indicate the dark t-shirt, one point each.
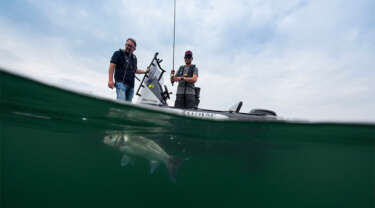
{"type": "Point", "coordinates": [126, 66]}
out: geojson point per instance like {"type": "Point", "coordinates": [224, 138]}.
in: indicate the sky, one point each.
{"type": "Point", "coordinates": [304, 59]}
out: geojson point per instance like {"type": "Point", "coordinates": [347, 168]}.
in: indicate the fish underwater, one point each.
{"type": "Point", "coordinates": [139, 146]}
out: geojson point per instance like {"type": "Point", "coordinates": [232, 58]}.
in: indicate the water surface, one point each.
{"type": "Point", "coordinates": [53, 155]}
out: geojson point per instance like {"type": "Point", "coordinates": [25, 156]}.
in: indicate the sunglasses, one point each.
{"type": "Point", "coordinates": [130, 46]}
{"type": "Point", "coordinates": [188, 57]}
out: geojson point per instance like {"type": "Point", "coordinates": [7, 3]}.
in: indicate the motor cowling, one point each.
{"type": "Point", "coordinates": [262, 112]}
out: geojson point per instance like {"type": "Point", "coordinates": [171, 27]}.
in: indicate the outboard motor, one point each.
{"type": "Point", "coordinates": [262, 112]}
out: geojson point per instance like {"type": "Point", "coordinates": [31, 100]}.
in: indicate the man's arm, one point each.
{"type": "Point", "coordinates": [187, 79]}
{"type": "Point", "coordinates": [176, 78]}
{"type": "Point", "coordinates": [141, 71]}
{"type": "Point", "coordinates": [191, 79]}
{"type": "Point", "coordinates": [111, 69]}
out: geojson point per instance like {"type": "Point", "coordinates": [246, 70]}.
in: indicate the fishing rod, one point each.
{"type": "Point", "coordinates": [174, 38]}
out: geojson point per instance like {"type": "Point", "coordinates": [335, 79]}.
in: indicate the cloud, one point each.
{"type": "Point", "coordinates": [50, 61]}
{"type": "Point", "coordinates": [304, 59]}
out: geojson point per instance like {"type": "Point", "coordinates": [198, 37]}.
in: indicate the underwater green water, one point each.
{"type": "Point", "coordinates": [53, 155]}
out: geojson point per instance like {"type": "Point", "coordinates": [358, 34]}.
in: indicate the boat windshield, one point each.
{"type": "Point", "coordinates": [154, 73]}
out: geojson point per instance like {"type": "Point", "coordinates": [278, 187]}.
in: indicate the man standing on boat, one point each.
{"type": "Point", "coordinates": [124, 65]}
{"type": "Point", "coordinates": [186, 76]}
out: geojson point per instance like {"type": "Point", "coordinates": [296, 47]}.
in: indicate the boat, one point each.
{"type": "Point", "coordinates": [151, 91]}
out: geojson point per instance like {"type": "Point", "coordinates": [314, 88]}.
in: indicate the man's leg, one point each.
{"type": "Point", "coordinates": [179, 103]}
{"type": "Point", "coordinates": [129, 93]}
{"type": "Point", "coordinates": [189, 101]}
{"type": "Point", "coordinates": [120, 91]}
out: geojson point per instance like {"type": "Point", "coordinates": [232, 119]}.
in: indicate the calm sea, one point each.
{"type": "Point", "coordinates": [53, 155]}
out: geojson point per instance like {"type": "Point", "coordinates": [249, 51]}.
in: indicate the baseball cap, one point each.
{"type": "Point", "coordinates": [188, 54]}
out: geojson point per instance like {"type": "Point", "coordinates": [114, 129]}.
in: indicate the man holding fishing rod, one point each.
{"type": "Point", "coordinates": [124, 65]}
{"type": "Point", "coordinates": [186, 76]}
